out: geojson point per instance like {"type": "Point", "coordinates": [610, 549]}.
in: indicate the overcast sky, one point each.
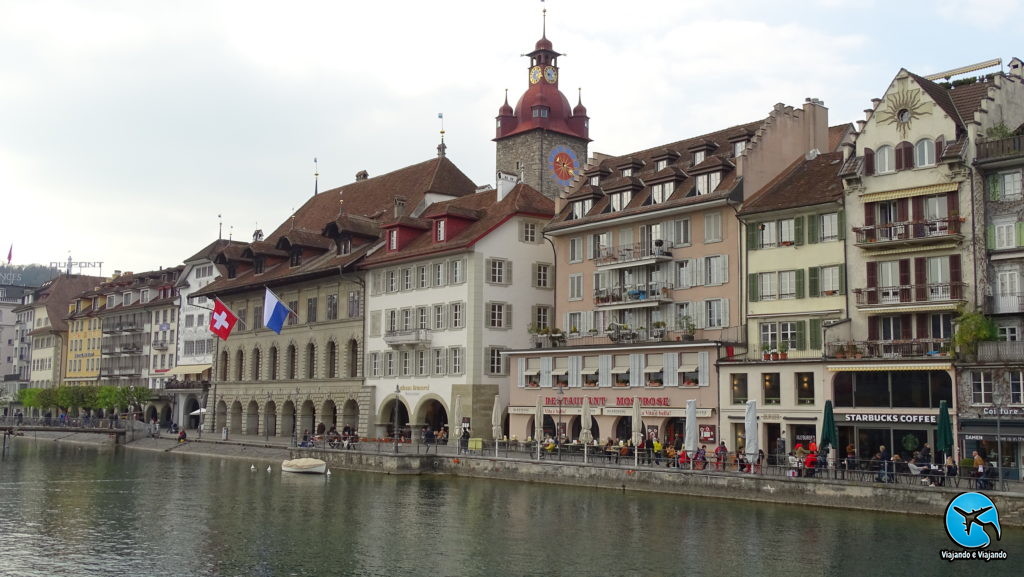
{"type": "Point", "coordinates": [127, 127]}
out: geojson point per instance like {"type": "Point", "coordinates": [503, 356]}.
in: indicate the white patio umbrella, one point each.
{"type": "Point", "coordinates": [750, 431]}
{"type": "Point", "coordinates": [691, 427]}
{"type": "Point", "coordinates": [199, 411]}
{"type": "Point", "coordinates": [586, 423]}
{"type": "Point", "coordinates": [496, 418]}
{"type": "Point", "coordinates": [638, 426]}
{"type": "Point", "coordinates": [538, 424]}
{"type": "Point", "coordinates": [455, 424]}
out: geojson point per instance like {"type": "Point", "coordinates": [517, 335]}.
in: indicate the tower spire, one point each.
{"type": "Point", "coordinates": [316, 178]}
{"type": "Point", "coordinates": [441, 147]}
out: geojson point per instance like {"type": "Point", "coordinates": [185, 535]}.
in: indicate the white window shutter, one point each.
{"type": "Point", "coordinates": [508, 272]}
{"type": "Point", "coordinates": [520, 369]}
{"type": "Point", "coordinates": [574, 366]}
{"type": "Point", "coordinates": [702, 368]}
{"type": "Point", "coordinates": [604, 371]}
{"type": "Point", "coordinates": [545, 371]}
{"type": "Point", "coordinates": [725, 313]}
{"type": "Point", "coordinates": [697, 275]}
{"type": "Point", "coordinates": [636, 370]}
{"type": "Point", "coordinates": [670, 372]}
{"type": "Point", "coordinates": [723, 276]}
{"type": "Point", "coordinates": [697, 309]}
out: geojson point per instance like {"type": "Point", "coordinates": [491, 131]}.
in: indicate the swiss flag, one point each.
{"type": "Point", "coordinates": [222, 320]}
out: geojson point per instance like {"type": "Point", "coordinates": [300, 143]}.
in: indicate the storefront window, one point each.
{"type": "Point", "coordinates": [805, 388]}
{"type": "Point", "coordinates": [739, 388]}
{"type": "Point", "coordinates": [896, 389]}
{"type": "Point", "coordinates": [805, 434]}
{"type": "Point", "coordinates": [911, 390]}
{"type": "Point", "coordinates": [843, 389]}
{"type": "Point", "coordinates": [871, 389]}
{"type": "Point", "coordinates": [772, 391]}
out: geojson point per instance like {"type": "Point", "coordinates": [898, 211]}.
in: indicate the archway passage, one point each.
{"type": "Point", "coordinates": [191, 406]}
{"type": "Point", "coordinates": [350, 416]}
{"type": "Point", "coordinates": [307, 417]}
{"type": "Point", "coordinates": [252, 418]}
{"type": "Point", "coordinates": [288, 419]}
{"type": "Point", "coordinates": [165, 416]}
{"type": "Point", "coordinates": [235, 423]}
{"type": "Point", "coordinates": [389, 418]}
{"type": "Point", "coordinates": [434, 415]}
{"type": "Point", "coordinates": [221, 414]}
{"type": "Point", "coordinates": [270, 419]}
{"type": "Point", "coordinates": [329, 414]}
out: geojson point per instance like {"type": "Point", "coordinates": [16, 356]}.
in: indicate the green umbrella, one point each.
{"type": "Point", "coordinates": [829, 433]}
{"type": "Point", "coordinates": [944, 430]}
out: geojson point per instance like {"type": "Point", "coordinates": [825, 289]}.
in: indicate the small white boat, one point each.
{"type": "Point", "coordinates": [305, 465]}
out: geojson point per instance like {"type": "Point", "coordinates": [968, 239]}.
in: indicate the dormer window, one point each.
{"type": "Point", "coordinates": [619, 200]}
{"type": "Point", "coordinates": [296, 256]}
{"type": "Point", "coordinates": [258, 264]}
{"type": "Point", "coordinates": [698, 157]}
{"type": "Point", "coordinates": [127, 298]}
{"type": "Point", "coordinates": [660, 165]}
{"type": "Point", "coordinates": [344, 246]}
{"type": "Point", "coordinates": [393, 239]}
{"type": "Point", "coordinates": [232, 271]}
{"type": "Point", "coordinates": [595, 180]}
{"type": "Point", "coordinates": [707, 183]}
{"type": "Point", "coordinates": [580, 208]}
{"type": "Point", "coordinates": [660, 192]}
{"type": "Point", "coordinates": [541, 111]}
{"type": "Point", "coordinates": [739, 147]}
{"type": "Point", "coordinates": [144, 296]}
{"type": "Point", "coordinates": [439, 231]}
{"type": "Point", "coordinates": [627, 172]}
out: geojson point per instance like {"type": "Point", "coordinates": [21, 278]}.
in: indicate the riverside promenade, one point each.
{"type": "Point", "coordinates": [510, 463]}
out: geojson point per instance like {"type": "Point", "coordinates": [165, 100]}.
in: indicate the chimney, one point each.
{"type": "Point", "coordinates": [815, 125]}
{"type": "Point", "coordinates": [506, 182]}
{"type": "Point", "coordinates": [362, 175]}
{"type": "Point", "coordinates": [399, 206]}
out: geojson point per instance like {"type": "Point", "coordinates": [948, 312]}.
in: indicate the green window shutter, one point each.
{"type": "Point", "coordinates": [751, 236]}
{"type": "Point", "coordinates": [993, 187]}
{"type": "Point", "coordinates": [990, 237]}
{"type": "Point", "coordinates": [813, 275]}
{"type": "Point", "coordinates": [842, 280]}
{"type": "Point", "coordinates": [801, 335]}
{"type": "Point", "coordinates": [800, 283]}
{"type": "Point", "coordinates": [812, 229]}
{"type": "Point", "coordinates": [1020, 233]}
{"type": "Point", "coordinates": [841, 224]}
{"type": "Point", "coordinates": [752, 295]}
{"type": "Point", "coordinates": [815, 334]}
{"type": "Point", "coordinates": [798, 230]}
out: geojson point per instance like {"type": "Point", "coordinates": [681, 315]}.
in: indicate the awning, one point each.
{"type": "Point", "coordinates": [913, 249]}
{"type": "Point", "coordinates": [860, 367]}
{"type": "Point", "coordinates": [654, 369]}
{"type": "Point", "coordinates": [686, 370]}
{"type": "Point", "coordinates": [559, 372]}
{"type": "Point", "coordinates": [189, 369]}
{"type": "Point", "coordinates": [531, 372]}
{"type": "Point", "coordinates": [945, 306]}
{"type": "Point", "coordinates": [620, 370]}
{"type": "Point", "coordinates": [588, 371]}
{"type": "Point", "coordinates": [908, 192]}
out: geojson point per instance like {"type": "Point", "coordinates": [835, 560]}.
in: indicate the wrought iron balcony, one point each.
{"type": "Point", "coordinates": [409, 338]}
{"type": "Point", "coordinates": [636, 253]}
{"type": "Point", "coordinates": [1001, 352]}
{"type": "Point", "coordinates": [1005, 304]}
{"type": "Point", "coordinates": [654, 292]}
{"type": "Point", "coordinates": [1002, 149]}
{"type": "Point", "coordinates": [910, 294]}
{"type": "Point", "coordinates": [159, 345]}
{"type": "Point", "coordinates": [909, 232]}
{"type": "Point", "coordinates": [888, 349]}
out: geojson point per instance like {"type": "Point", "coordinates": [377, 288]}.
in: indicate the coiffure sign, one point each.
{"type": "Point", "coordinates": [888, 418]}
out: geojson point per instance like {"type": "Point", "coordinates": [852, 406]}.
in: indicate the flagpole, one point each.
{"type": "Point", "coordinates": [239, 319]}
{"type": "Point", "coordinates": [280, 300]}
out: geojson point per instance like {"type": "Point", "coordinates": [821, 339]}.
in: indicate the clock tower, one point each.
{"type": "Point", "coordinates": [544, 139]}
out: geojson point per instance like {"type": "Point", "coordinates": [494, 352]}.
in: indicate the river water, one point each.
{"type": "Point", "coordinates": [79, 510]}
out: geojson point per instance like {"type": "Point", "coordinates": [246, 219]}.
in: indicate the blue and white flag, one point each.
{"type": "Point", "coordinates": [274, 312]}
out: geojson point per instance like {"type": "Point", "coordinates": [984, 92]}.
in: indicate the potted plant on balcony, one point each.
{"type": "Point", "coordinates": [654, 383]}
{"type": "Point", "coordinates": [766, 351]}
{"type": "Point", "coordinates": [592, 332]}
{"type": "Point", "coordinates": [658, 329]}
{"type": "Point", "coordinates": [783, 350]}
{"type": "Point", "coordinates": [686, 325]}
{"type": "Point", "coordinates": [574, 332]}
{"type": "Point", "coordinates": [853, 351]}
{"type": "Point", "coordinates": [621, 383]}
{"type": "Point", "coordinates": [557, 337]}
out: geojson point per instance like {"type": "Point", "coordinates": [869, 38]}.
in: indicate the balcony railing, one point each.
{"type": "Point", "coordinates": [407, 337]}
{"type": "Point", "coordinates": [910, 294]}
{"type": "Point", "coordinates": [653, 291]}
{"type": "Point", "coordinates": [159, 345]}
{"type": "Point", "coordinates": [908, 231]}
{"type": "Point", "coordinates": [1002, 148]}
{"type": "Point", "coordinates": [883, 349]}
{"type": "Point", "coordinates": [1008, 303]}
{"type": "Point", "coordinates": [1001, 352]}
{"type": "Point", "coordinates": [634, 252]}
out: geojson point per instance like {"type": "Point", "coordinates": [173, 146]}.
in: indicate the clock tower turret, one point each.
{"type": "Point", "coordinates": [543, 140]}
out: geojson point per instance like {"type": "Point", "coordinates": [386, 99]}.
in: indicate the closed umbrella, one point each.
{"type": "Point", "coordinates": [691, 427]}
{"type": "Point", "coordinates": [944, 431]}
{"type": "Point", "coordinates": [538, 424]}
{"type": "Point", "coordinates": [496, 418]}
{"type": "Point", "coordinates": [829, 433]}
{"type": "Point", "coordinates": [750, 431]}
{"type": "Point", "coordinates": [637, 422]}
{"type": "Point", "coordinates": [455, 424]}
{"type": "Point", "coordinates": [586, 423]}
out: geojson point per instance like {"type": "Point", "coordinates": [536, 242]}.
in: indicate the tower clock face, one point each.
{"type": "Point", "coordinates": [563, 164]}
{"type": "Point", "coordinates": [535, 74]}
{"type": "Point", "coordinates": [550, 74]}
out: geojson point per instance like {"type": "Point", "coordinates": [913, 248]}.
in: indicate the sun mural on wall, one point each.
{"type": "Point", "coordinates": [901, 108]}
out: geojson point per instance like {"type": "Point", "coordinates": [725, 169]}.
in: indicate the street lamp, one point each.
{"type": "Point", "coordinates": [997, 400]}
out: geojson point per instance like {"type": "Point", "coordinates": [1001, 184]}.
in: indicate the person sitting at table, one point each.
{"type": "Point", "coordinates": [684, 459]}
{"type": "Point", "coordinates": [810, 464]}
{"type": "Point", "coordinates": [700, 458]}
{"type": "Point", "coordinates": [742, 464]}
{"type": "Point", "coordinates": [794, 465]}
{"type": "Point", "coordinates": [952, 470]}
{"type": "Point", "coordinates": [549, 444]}
{"type": "Point", "coordinates": [670, 456]}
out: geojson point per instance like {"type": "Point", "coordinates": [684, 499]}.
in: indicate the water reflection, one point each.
{"type": "Point", "coordinates": [77, 510]}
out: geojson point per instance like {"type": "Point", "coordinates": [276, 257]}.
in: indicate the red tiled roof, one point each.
{"type": "Point", "coordinates": [522, 199]}
{"type": "Point", "coordinates": [803, 183]}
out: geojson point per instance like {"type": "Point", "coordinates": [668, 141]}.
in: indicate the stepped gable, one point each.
{"type": "Point", "coordinates": [156, 280]}
{"type": "Point", "coordinates": [364, 204]}
{"type": "Point", "coordinates": [959, 102]}
{"type": "Point", "coordinates": [678, 154]}
{"type": "Point", "coordinates": [481, 209]}
{"type": "Point", "coordinates": [803, 183]}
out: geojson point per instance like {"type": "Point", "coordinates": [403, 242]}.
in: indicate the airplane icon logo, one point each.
{"type": "Point", "coordinates": [968, 510]}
